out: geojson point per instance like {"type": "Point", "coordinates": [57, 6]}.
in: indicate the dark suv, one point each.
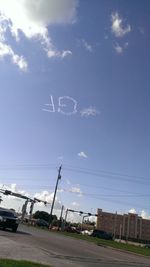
{"type": "Point", "coordinates": [8, 220]}
{"type": "Point", "coordinates": [43, 223]}
{"type": "Point", "coordinates": [102, 234]}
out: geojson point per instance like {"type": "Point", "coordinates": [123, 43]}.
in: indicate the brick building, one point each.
{"type": "Point", "coordinates": [126, 226]}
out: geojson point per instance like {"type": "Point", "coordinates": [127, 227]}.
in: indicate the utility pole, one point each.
{"type": "Point", "coordinates": [0, 199]}
{"type": "Point", "coordinates": [120, 232]}
{"type": "Point", "coordinates": [31, 209]}
{"type": "Point", "coordinates": [24, 208]}
{"type": "Point", "coordinates": [64, 225]}
{"type": "Point", "coordinates": [115, 221]}
{"type": "Point", "coordinates": [60, 220]}
{"type": "Point", "coordinates": [58, 178]}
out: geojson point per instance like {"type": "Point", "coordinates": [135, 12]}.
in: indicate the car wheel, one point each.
{"type": "Point", "coordinates": [14, 229]}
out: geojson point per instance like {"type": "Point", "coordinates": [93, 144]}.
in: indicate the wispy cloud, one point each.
{"type": "Point", "coordinates": [90, 111]}
{"type": "Point", "coordinates": [120, 48]}
{"type": "Point", "coordinates": [82, 155]}
{"type": "Point", "coordinates": [141, 30]}
{"type": "Point", "coordinates": [68, 182]}
{"type": "Point", "coordinates": [20, 61]}
{"type": "Point", "coordinates": [66, 53]}
{"type": "Point", "coordinates": [76, 190]}
{"type": "Point", "coordinates": [117, 27]}
{"type": "Point", "coordinates": [86, 45]}
{"type": "Point", "coordinates": [60, 159]}
{"type": "Point", "coordinates": [52, 52]}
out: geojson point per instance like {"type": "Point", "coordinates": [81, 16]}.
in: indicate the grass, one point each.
{"type": "Point", "coordinates": [112, 244]}
{"type": "Point", "coordinates": [15, 263]}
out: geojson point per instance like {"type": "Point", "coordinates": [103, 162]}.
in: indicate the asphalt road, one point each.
{"type": "Point", "coordinates": [60, 251]}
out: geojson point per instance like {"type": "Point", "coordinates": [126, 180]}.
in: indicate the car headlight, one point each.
{"type": "Point", "coordinates": [17, 221]}
{"type": "Point", "coordinates": [2, 219]}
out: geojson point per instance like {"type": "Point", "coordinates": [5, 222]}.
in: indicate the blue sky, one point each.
{"type": "Point", "coordinates": [75, 90]}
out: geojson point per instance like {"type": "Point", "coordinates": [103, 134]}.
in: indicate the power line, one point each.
{"type": "Point", "coordinates": [71, 168]}
{"type": "Point", "coordinates": [104, 187]}
{"type": "Point", "coordinates": [107, 195]}
{"type": "Point", "coordinates": [98, 173]}
{"type": "Point", "coordinates": [106, 172]}
{"type": "Point", "coordinates": [27, 167]}
{"type": "Point", "coordinates": [123, 178]}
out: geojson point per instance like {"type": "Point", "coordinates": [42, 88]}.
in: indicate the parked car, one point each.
{"type": "Point", "coordinates": [42, 223]}
{"type": "Point", "coordinates": [147, 246]}
{"type": "Point", "coordinates": [72, 229]}
{"type": "Point", "coordinates": [102, 234]}
{"type": "Point", "coordinates": [8, 220]}
{"type": "Point", "coordinates": [87, 232]}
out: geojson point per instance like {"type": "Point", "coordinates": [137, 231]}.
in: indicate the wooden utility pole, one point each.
{"type": "Point", "coordinates": [58, 178]}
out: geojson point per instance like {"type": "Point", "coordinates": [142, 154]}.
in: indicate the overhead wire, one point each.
{"type": "Point", "coordinates": [123, 178]}
{"type": "Point", "coordinates": [91, 172]}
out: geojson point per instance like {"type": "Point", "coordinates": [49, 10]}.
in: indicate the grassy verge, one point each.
{"type": "Point", "coordinates": [14, 263]}
{"type": "Point", "coordinates": [113, 244]}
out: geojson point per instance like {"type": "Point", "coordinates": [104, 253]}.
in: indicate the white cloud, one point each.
{"type": "Point", "coordinates": [91, 111]}
{"type": "Point", "coordinates": [3, 28]}
{"type": "Point", "coordinates": [6, 50]}
{"type": "Point", "coordinates": [93, 219]}
{"type": "Point", "coordinates": [117, 26]}
{"type": "Point", "coordinates": [132, 211]}
{"type": "Point", "coordinates": [82, 154]}
{"type": "Point", "coordinates": [60, 190]}
{"type": "Point", "coordinates": [13, 188]}
{"type": "Point", "coordinates": [32, 18]}
{"type": "Point", "coordinates": [74, 217]}
{"type": "Point", "coordinates": [144, 215]}
{"type": "Point", "coordinates": [75, 204]}
{"type": "Point", "coordinates": [18, 202]}
{"type": "Point", "coordinates": [46, 196]}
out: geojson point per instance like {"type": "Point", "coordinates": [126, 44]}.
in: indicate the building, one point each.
{"type": "Point", "coordinates": [126, 226]}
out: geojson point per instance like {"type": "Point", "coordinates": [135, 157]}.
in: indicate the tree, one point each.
{"type": "Point", "coordinates": [41, 215]}
{"type": "Point", "coordinates": [45, 216]}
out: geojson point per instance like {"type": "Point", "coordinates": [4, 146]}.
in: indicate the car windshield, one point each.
{"type": "Point", "coordinates": [7, 214]}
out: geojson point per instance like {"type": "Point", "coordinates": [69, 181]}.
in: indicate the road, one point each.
{"type": "Point", "coordinates": [60, 251]}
